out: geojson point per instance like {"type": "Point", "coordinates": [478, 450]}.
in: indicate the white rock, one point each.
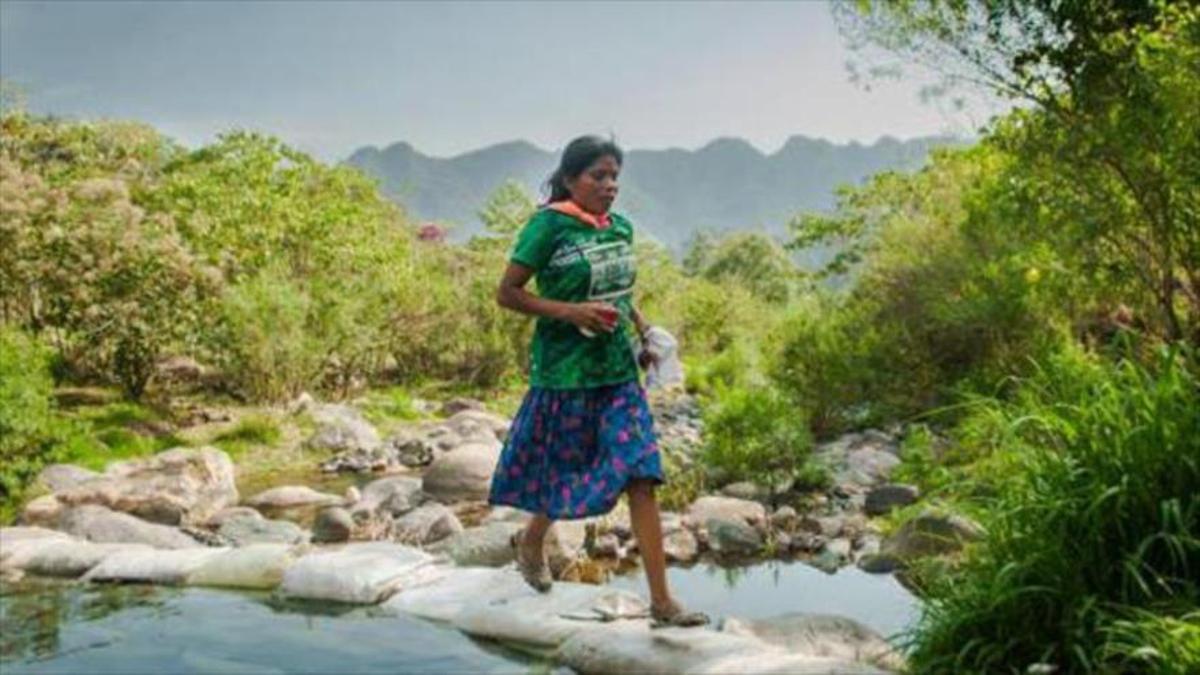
{"type": "Point", "coordinates": [152, 567]}
{"type": "Point", "coordinates": [727, 508]}
{"type": "Point", "coordinates": [363, 573]}
{"type": "Point", "coordinates": [463, 474]}
{"type": "Point", "coordinates": [259, 566]}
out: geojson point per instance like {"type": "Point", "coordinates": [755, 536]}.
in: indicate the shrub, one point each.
{"type": "Point", "coordinates": [755, 434]}
{"type": "Point", "coordinates": [1098, 523]}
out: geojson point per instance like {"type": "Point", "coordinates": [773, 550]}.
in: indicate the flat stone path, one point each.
{"type": "Point", "coordinates": [591, 629]}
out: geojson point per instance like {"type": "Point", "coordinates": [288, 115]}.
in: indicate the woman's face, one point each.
{"type": "Point", "coordinates": [595, 189]}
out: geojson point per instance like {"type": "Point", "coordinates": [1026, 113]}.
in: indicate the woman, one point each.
{"type": "Point", "coordinates": [584, 433]}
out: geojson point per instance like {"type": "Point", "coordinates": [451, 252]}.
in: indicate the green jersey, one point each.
{"type": "Point", "coordinates": [576, 262]}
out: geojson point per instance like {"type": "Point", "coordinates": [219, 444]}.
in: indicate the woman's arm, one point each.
{"type": "Point", "coordinates": [512, 295]}
{"type": "Point", "coordinates": [640, 322]}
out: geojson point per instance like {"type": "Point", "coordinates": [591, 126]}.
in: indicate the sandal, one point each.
{"type": "Point", "coordinates": [535, 572]}
{"type": "Point", "coordinates": [674, 616]}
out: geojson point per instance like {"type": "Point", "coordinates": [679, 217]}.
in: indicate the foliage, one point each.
{"type": "Point", "coordinates": [755, 434]}
{"type": "Point", "coordinates": [28, 429]}
{"type": "Point", "coordinates": [1096, 524]}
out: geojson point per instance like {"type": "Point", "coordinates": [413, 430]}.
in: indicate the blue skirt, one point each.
{"type": "Point", "coordinates": [571, 452]}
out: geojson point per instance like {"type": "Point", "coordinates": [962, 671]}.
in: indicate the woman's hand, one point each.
{"type": "Point", "coordinates": [594, 316]}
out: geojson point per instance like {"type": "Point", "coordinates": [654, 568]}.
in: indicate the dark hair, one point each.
{"type": "Point", "coordinates": [576, 158]}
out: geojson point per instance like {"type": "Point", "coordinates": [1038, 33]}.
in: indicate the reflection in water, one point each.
{"type": "Point", "coordinates": [59, 627]}
{"type": "Point", "coordinates": [32, 613]}
{"type": "Point", "coordinates": [774, 588]}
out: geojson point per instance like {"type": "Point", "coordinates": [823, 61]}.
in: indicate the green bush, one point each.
{"type": "Point", "coordinates": [757, 435]}
{"type": "Point", "coordinates": [1097, 524]}
{"type": "Point", "coordinates": [29, 433]}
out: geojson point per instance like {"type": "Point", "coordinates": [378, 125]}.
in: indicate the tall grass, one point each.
{"type": "Point", "coordinates": [1092, 559]}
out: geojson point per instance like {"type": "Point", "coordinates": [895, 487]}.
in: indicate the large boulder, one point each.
{"type": "Point", "coordinates": [178, 487]}
{"type": "Point", "coordinates": [425, 525]}
{"type": "Point", "coordinates": [727, 508]}
{"type": "Point", "coordinates": [463, 474]}
{"type": "Point", "coordinates": [103, 525]}
{"type": "Point", "coordinates": [58, 477]}
{"type": "Point", "coordinates": [929, 534]}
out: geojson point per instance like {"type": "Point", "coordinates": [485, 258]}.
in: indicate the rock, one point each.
{"type": "Point", "coordinates": [258, 566]}
{"type": "Point", "coordinates": [864, 458]}
{"type": "Point", "coordinates": [681, 546]}
{"type": "Point", "coordinates": [747, 491]}
{"type": "Point", "coordinates": [457, 405]}
{"type": "Point", "coordinates": [609, 546]}
{"type": "Point", "coordinates": [463, 474]}
{"type": "Point", "coordinates": [292, 498]}
{"type": "Point", "coordinates": [244, 530]}
{"type": "Point", "coordinates": [727, 509]}
{"type": "Point", "coordinates": [71, 558]}
{"type": "Point", "coordinates": [177, 370]}
{"type": "Point", "coordinates": [177, 487]}
{"type": "Point", "coordinates": [628, 647]}
{"type": "Point", "coordinates": [396, 495]}
{"type": "Point", "coordinates": [425, 525]}
{"type": "Point", "coordinates": [884, 498]}
{"type": "Point", "coordinates": [230, 513]}
{"type": "Point", "coordinates": [58, 477]}
{"type": "Point", "coordinates": [785, 519]}
{"type": "Point", "coordinates": [478, 425]}
{"type": "Point", "coordinates": [44, 511]}
{"type": "Point", "coordinates": [806, 542]}
{"type": "Point", "coordinates": [876, 563]}
{"type": "Point", "coordinates": [333, 525]}
{"type": "Point", "coordinates": [733, 537]}
{"type": "Point", "coordinates": [930, 534]}
{"type": "Point", "coordinates": [100, 524]}
{"type": "Point", "coordinates": [363, 573]}
{"type": "Point", "coordinates": [826, 526]}
{"type": "Point", "coordinates": [489, 545]}
{"type": "Point", "coordinates": [841, 548]}
{"type": "Point", "coordinates": [505, 514]}
{"type": "Point", "coordinates": [342, 428]}
{"type": "Point", "coordinates": [152, 567]}
{"type": "Point", "coordinates": [820, 635]}
{"type": "Point", "coordinates": [565, 544]}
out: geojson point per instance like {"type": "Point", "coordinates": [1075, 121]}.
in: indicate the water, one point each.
{"type": "Point", "coordinates": [773, 588]}
{"type": "Point", "coordinates": [50, 627]}
{"type": "Point", "coordinates": [60, 628]}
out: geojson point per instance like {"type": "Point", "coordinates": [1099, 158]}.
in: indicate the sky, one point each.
{"type": "Point", "coordinates": [450, 77]}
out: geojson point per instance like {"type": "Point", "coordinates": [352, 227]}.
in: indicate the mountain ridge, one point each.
{"type": "Point", "coordinates": [673, 193]}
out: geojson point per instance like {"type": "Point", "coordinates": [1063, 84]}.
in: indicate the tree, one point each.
{"type": "Point", "coordinates": [1109, 134]}
{"type": "Point", "coordinates": [507, 209]}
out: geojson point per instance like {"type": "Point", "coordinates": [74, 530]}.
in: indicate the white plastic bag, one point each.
{"type": "Point", "coordinates": [665, 370]}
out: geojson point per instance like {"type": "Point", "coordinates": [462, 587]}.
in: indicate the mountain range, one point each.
{"type": "Point", "coordinates": [671, 194]}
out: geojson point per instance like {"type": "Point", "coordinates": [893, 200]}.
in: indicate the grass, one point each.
{"type": "Point", "coordinates": [251, 431]}
{"type": "Point", "coordinates": [1092, 559]}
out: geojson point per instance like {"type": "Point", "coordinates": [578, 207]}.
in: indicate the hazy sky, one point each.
{"type": "Point", "coordinates": [452, 77]}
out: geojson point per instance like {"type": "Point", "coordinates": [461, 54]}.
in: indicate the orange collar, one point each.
{"type": "Point", "coordinates": [572, 209]}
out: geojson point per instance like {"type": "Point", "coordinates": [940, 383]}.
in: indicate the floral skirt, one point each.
{"type": "Point", "coordinates": [571, 452]}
